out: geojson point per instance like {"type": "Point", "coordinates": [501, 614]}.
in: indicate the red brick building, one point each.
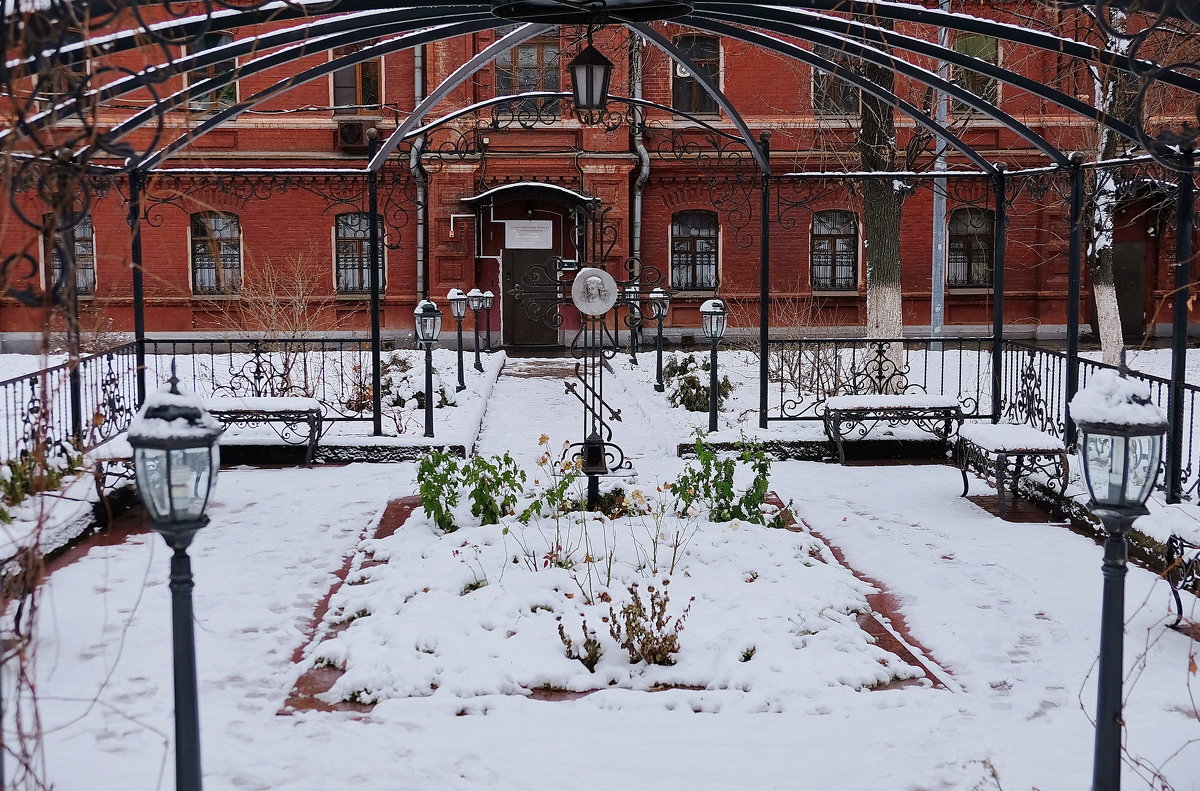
{"type": "Point", "coordinates": [486, 198]}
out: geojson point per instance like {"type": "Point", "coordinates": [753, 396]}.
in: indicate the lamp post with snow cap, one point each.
{"type": "Point", "coordinates": [175, 462]}
{"type": "Point", "coordinates": [1120, 445]}
{"type": "Point", "coordinates": [428, 320]}
{"type": "Point", "coordinates": [475, 299]}
{"type": "Point", "coordinates": [659, 302]}
{"type": "Point", "coordinates": [712, 320]}
{"type": "Point", "coordinates": [488, 299]}
{"type": "Point", "coordinates": [458, 309]}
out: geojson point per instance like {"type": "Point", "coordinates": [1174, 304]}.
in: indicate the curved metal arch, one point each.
{"type": "Point", "coordinates": [945, 54]}
{"type": "Point", "coordinates": [904, 12]}
{"type": "Point", "coordinates": [923, 76]}
{"type": "Point", "coordinates": [452, 81]}
{"type": "Point", "coordinates": [805, 56]}
{"type": "Point", "coordinates": [674, 53]}
{"type": "Point", "coordinates": [483, 104]}
{"type": "Point", "coordinates": [402, 41]}
{"type": "Point", "coordinates": [300, 36]}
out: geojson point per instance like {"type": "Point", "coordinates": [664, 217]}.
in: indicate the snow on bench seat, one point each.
{"type": "Point", "coordinates": [868, 402]}
{"type": "Point", "coordinates": [261, 404]}
{"type": "Point", "coordinates": [996, 437]}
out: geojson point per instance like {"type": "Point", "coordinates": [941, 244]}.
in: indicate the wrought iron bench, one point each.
{"type": "Point", "coordinates": [289, 413]}
{"type": "Point", "coordinates": [1183, 570]}
{"type": "Point", "coordinates": [1004, 452]}
{"type": "Point", "coordinates": [935, 414]}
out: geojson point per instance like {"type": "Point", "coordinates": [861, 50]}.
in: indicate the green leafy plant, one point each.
{"type": "Point", "coordinates": [709, 483]}
{"type": "Point", "coordinates": [438, 476]}
{"type": "Point", "coordinates": [650, 635]}
{"type": "Point", "coordinates": [493, 486]}
{"type": "Point", "coordinates": [31, 473]}
{"type": "Point", "coordinates": [687, 383]}
{"type": "Point", "coordinates": [591, 651]}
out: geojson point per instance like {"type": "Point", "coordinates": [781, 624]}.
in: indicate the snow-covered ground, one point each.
{"type": "Point", "coordinates": [1009, 612]}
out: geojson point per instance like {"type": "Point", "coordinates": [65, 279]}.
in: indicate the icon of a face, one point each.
{"type": "Point", "coordinates": [593, 289]}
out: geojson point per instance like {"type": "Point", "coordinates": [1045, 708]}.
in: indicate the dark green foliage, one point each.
{"type": "Point", "coordinates": [709, 483]}
{"type": "Point", "coordinates": [687, 380]}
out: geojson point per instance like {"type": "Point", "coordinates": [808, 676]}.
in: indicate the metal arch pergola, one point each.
{"type": "Point", "coordinates": [61, 146]}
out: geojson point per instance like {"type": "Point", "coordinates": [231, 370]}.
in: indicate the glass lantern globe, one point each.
{"type": "Point", "coordinates": [175, 458]}
{"type": "Point", "coordinates": [488, 299]}
{"type": "Point", "coordinates": [659, 301]}
{"type": "Point", "coordinates": [475, 298]}
{"type": "Point", "coordinates": [458, 303]}
{"type": "Point", "coordinates": [1120, 462]}
{"type": "Point", "coordinates": [428, 321]}
{"type": "Point", "coordinates": [590, 75]}
{"type": "Point", "coordinates": [712, 319]}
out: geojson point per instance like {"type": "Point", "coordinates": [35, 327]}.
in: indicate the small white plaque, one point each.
{"type": "Point", "coordinates": [529, 234]}
{"type": "Point", "coordinates": [594, 291]}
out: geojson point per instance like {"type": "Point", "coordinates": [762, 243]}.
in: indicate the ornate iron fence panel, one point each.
{"type": "Point", "coordinates": [36, 408]}
{"type": "Point", "coordinates": [335, 371]}
{"type": "Point", "coordinates": [804, 372]}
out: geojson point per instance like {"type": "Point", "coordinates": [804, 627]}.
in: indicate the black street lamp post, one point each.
{"type": "Point", "coordinates": [712, 321]}
{"type": "Point", "coordinates": [175, 461]}
{"type": "Point", "coordinates": [458, 309]}
{"type": "Point", "coordinates": [659, 302]}
{"type": "Point", "coordinates": [488, 299]}
{"type": "Point", "coordinates": [428, 320]}
{"type": "Point", "coordinates": [1120, 445]}
{"type": "Point", "coordinates": [475, 299]}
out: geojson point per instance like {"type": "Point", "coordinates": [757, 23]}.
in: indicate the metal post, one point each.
{"type": "Point", "coordinates": [764, 287]}
{"type": "Point", "coordinates": [429, 387]}
{"type": "Point", "coordinates": [658, 344]}
{"type": "Point", "coordinates": [139, 295]}
{"type": "Point", "coordinates": [373, 241]}
{"type": "Point", "coordinates": [478, 364]}
{"type": "Point", "coordinates": [1183, 276]}
{"type": "Point", "coordinates": [462, 385]}
{"type": "Point", "coordinates": [489, 329]}
{"type": "Point", "coordinates": [937, 277]}
{"type": "Point", "coordinates": [187, 709]}
{"type": "Point", "coordinates": [712, 388]}
{"type": "Point", "coordinates": [1106, 760]}
{"type": "Point", "coordinates": [635, 323]}
{"type": "Point", "coordinates": [1000, 243]}
{"type": "Point", "coordinates": [1074, 286]}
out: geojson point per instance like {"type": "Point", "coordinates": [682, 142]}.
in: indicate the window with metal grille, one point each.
{"type": "Point", "coordinates": [970, 248]}
{"type": "Point", "coordinates": [687, 94]}
{"type": "Point", "coordinates": [532, 66]}
{"type": "Point", "coordinates": [352, 252]}
{"type": "Point", "coordinates": [694, 248]}
{"type": "Point", "coordinates": [356, 89]}
{"type": "Point", "coordinates": [831, 95]}
{"type": "Point", "coordinates": [835, 251]}
{"type": "Point", "coordinates": [82, 238]}
{"type": "Point", "coordinates": [216, 253]}
{"type": "Point", "coordinates": [986, 49]}
{"type": "Point", "coordinates": [220, 97]}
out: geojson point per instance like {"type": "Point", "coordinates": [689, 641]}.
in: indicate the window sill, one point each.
{"type": "Point", "coordinates": [831, 293]}
{"type": "Point", "coordinates": [694, 294]}
{"type": "Point", "coordinates": [967, 291]}
{"type": "Point", "coordinates": [356, 296]}
{"type": "Point", "coordinates": [216, 297]}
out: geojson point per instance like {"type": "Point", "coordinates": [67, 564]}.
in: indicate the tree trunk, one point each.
{"type": "Point", "coordinates": [882, 203]}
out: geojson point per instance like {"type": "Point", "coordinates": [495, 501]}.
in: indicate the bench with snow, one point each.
{"type": "Point", "coordinates": [285, 414]}
{"type": "Point", "coordinates": [858, 414]}
{"type": "Point", "coordinates": [1004, 452]}
{"type": "Point", "coordinates": [1183, 569]}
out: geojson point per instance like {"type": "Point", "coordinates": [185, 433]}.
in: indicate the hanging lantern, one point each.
{"type": "Point", "coordinates": [590, 74]}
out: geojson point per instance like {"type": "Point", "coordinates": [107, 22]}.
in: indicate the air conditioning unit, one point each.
{"type": "Point", "coordinates": [352, 136]}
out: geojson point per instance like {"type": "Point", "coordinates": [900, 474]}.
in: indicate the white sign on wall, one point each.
{"type": "Point", "coordinates": [528, 234]}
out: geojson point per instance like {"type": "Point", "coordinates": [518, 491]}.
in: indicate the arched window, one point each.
{"type": "Point", "coordinates": [834, 253]}
{"type": "Point", "coordinates": [352, 252]}
{"type": "Point", "coordinates": [83, 239]}
{"type": "Point", "coordinates": [216, 253]}
{"type": "Point", "coordinates": [970, 249]}
{"type": "Point", "coordinates": [687, 94]}
{"type": "Point", "coordinates": [694, 250]}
